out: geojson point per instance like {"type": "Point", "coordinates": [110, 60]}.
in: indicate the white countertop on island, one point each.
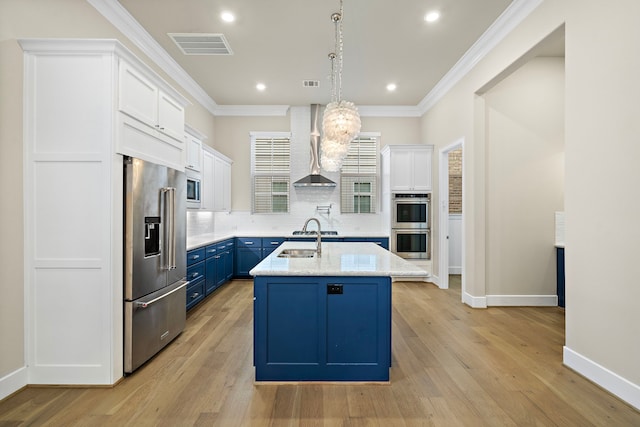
{"type": "Point", "coordinates": [338, 259]}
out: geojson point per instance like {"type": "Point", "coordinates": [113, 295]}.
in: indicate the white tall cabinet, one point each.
{"type": "Point", "coordinates": [406, 169]}
{"type": "Point", "coordinates": [78, 121]}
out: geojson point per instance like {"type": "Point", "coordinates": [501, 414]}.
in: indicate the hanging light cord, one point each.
{"type": "Point", "coordinates": [336, 57]}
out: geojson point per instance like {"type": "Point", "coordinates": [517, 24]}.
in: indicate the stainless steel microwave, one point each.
{"type": "Point", "coordinates": [193, 192]}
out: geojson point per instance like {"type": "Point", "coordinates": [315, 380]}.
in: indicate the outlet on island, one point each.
{"type": "Point", "coordinates": [334, 289]}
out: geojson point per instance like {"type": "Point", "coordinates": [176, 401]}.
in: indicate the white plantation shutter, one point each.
{"type": "Point", "coordinates": [271, 166]}
{"type": "Point", "coordinates": [359, 176]}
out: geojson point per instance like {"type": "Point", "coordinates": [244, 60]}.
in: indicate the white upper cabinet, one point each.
{"type": "Point", "coordinates": [151, 120]}
{"type": "Point", "coordinates": [138, 97]}
{"type": "Point", "coordinates": [194, 154]}
{"type": "Point", "coordinates": [410, 167]}
{"type": "Point", "coordinates": [170, 116]}
{"type": "Point", "coordinates": [194, 149]}
{"type": "Point", "coordinates": [143, 100]}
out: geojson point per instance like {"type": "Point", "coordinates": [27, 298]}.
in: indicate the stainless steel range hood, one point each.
{"type": "Point", "coordinates": [314, 179]}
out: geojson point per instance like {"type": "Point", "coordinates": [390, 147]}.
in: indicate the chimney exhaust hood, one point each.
{"type": "Point", "coordinates": [314, 179]}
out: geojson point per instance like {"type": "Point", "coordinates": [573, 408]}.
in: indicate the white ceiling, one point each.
{"type": "Point", "coordinates": [283, 42]}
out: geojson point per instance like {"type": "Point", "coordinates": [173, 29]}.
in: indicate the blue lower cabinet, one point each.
{"type": "Point", "coordinates": [196, 271]}
{"type": "Point", "coordinates": [208, 268]}
{"type": "Point", "coordinates": [212, 268]}
{"type": "Point", "coordinates": [269, 244]}
{"type": "Point", "coordinates": [195, 256]}
{"type": "Point", "coordinates": [322, 328]}
{"type": "Point", "coordinates": [246, 259]}
{"type": "Point", "coordinates": [313, 239]}
{"type": "Point", "coordinates": [380, 241]}
{"type": "Point", "coordinates": [195, 292]}
{"type": "Point", "coordinates": [251, 250]}
{"type": "Point", "coordinates": [229, 264]}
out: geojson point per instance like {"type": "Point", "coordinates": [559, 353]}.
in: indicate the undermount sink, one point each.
{"type": "Point", "coordinates": [297, 253]}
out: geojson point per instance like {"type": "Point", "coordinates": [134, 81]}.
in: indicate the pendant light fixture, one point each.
{"type": "Point", "coordinates": [341, 121]}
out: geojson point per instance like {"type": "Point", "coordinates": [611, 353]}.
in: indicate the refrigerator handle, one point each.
{"type": "Point", "coordinates": [170, 226]}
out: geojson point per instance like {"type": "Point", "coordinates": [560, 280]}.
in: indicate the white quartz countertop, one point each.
{"type": "Point", "coordinates": [200, 240]}
{"type": "Point", "coordinates": [338, 259]}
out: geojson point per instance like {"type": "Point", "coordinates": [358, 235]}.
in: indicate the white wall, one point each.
{"type": "Point", "coordinates": [602, 176]}
{"type": "Point", "coordinates": [525, 182]}
{"type": "Point", "coordinates": [601, 152]}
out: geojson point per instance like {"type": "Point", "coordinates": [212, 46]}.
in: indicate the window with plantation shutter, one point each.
{"type": "Point", "coordinates": [359, 176]}
{"type": "Point", "coordinates": [270, 171]}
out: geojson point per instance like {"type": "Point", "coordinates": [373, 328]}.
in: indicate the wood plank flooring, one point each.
{"type": "Point", "coordinates": [452, 366]}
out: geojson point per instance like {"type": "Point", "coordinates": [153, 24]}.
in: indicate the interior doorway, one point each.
{"type": "Point", "coordinates": [451, 236]}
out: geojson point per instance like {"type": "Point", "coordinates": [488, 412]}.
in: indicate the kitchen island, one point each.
{"type": "Point", "coordinates": [327, 317]}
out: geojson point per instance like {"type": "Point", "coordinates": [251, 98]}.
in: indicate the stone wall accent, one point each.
{"type": "Point", "coordinates": [455, 181]}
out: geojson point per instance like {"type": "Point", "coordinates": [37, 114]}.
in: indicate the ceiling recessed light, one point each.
{"type": "Point", "coordinates": [227, 16]}
{"type": "Point", "coordinates": [261, 87]}
{"type": "Point", "coordinates": [391, 87]}
{"type": "Point", "coordinates": [432, 16]}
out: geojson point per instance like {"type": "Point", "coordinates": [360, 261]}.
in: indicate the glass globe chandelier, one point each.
{"type": "Point", "coordinates": [341, 121]}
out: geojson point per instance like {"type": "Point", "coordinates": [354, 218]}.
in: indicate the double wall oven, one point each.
{"type": "Point", "coordinates": [411, 225]}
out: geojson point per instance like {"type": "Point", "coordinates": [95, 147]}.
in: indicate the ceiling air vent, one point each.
{"type": "Point", "coordinates": [201, 44]}
{"type": "Point", "coordinates": [311, 83]}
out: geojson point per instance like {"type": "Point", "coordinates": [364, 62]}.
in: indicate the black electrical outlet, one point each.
{"type": "Point", "coordinates": [334, 289]}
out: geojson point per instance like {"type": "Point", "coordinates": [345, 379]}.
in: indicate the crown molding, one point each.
{"type": "Point", "coordinates": [506, 22]}
{"type": "Point", "coordinates": [117, 15]}
{"type": "Point", "coordinates": [388, 111]}
{"type": "Point", "coordinates": [251, 110]}
{"type": "Point", "coordinates": [194, 132]}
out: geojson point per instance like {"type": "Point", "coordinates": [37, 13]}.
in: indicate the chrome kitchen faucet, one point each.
{"type": "Point", "coordinates": [318, 233]}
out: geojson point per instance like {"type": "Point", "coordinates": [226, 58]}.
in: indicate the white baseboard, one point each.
{"type": "Point", "coordinates": [522, 300]}
{"type": "Point", "coordinates": [13, 382]}
{"type": "Point", "coordinates": [435, 280]}
{"type": "Point", "coordinates": [474, 302]}
{"type": "Point", "coordinates": [610, 381]}
{"type": "Point", "coordinates": [455, 270]}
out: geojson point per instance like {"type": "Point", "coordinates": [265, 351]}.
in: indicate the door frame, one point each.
{"type": "Point", "coordinates": [443, 235]}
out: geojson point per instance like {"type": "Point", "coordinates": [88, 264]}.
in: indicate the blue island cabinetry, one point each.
{"type": "Point", "coordinates": [322, 328]}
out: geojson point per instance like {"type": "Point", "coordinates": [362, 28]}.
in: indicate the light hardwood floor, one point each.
{"type": "Point", "coordinates": [452, 366]}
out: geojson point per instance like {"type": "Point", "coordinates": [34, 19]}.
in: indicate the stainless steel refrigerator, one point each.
{"type": "Point", "coordinates": [154, 259]}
